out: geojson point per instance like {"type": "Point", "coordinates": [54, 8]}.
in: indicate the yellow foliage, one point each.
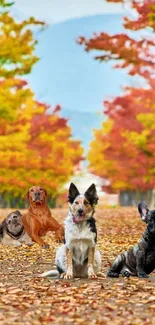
{"type": "Point", "coordinates": [37, 151]}
{"type": "Point", "coordinates": [139, 139]}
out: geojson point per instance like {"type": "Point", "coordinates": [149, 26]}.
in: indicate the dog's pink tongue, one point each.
{"type": "Point", "coordinates": [76, 220]}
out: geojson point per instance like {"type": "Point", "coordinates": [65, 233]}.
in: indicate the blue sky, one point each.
{"type": "Point", "coordinates": [66, 74]}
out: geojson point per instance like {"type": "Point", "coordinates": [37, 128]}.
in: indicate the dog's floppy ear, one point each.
{"type": "Point", "coordinates": [26, 196]}
{"type": "Point", "coordinates": [143, 210]}
{"type": "Point", "coordinates": [73, 193]}
{"type": "Point", "coordinates": [91, 194]}
{"type": "Point", "coordinates": [46, 194]}
{"type": "Point", "coordinates": [18, 212]}
{"type": "Point", "coordinates": [2, 227]}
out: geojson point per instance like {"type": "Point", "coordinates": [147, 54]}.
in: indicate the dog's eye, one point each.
{"type": "Point", "coordinates": [32, 190]}
{"type": "Point", "coordinates": [86, 203]}
{"type": "Point", "coordinates": [41, 189]}
{"type": "Point", "coordinates": [76, 202]}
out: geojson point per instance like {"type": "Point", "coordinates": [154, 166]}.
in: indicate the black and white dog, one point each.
{"type": "Point", "coordinates": [12, 231]}
{"type": "Point", "coordinates": [78, 257]}
{"type": "Point", "coordinates": [139, 260]}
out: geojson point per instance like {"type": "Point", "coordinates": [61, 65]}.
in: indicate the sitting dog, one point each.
{"type": "Point", "coordinates": [78, 256]}
{"type": "Point", "coordinates": [139, 260]}
{"type": "Point", "coordinates": [12, 231]}
{"type": "Point", "coordinates": [38, 220]}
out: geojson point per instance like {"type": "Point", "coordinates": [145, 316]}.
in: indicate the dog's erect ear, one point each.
{"type": "Point", "coordinates": [73, 193]}
{"type": "Point", "coordinates": [143, 210]}
{"type": "Point", "coordinates": [91, 194]}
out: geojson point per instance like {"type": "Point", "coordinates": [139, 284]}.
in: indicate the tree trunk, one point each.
{"type": "Point", "coordinates": [132, 198]}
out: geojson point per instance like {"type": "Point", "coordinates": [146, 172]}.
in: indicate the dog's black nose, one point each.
{"type": "Point", "coordinates": [37, 193]}
{"type": "Point", "coordinates": [80, 211]}
{"type": "Point", "coordinates": [14, 220]}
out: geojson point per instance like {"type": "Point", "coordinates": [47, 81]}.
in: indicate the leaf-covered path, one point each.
{"type": "Point", "coordinates": [26, 299]}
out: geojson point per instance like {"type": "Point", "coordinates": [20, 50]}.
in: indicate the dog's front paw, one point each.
{"type": "Point", "coordinates": [67, 276]}
{"type": "Point", "coordinates": [45, 246]}
{"type": "Point", "coordinates": [112, 274]}
{"type": "Point", "coordinates": [91, 274]}
{"type": "Point", "coordinates": [30, 244]}
{"type": "Point", "coordinates": [17, 245]}
{"type": "Point", "coordinates": [59, 241]}
{"type": "Point", "coordinates": [142, 275]}
{"type": "Point", "coordinates": [59, 236]}
{"type": "Point", "coordinates": [126, 274]}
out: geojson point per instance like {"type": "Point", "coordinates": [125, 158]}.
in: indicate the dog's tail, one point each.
{"type": "Point", "coordinates": [51, 273]}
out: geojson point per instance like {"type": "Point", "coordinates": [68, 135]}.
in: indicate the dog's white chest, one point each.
{"type": "Point", "coordinates": [78, 233]}
{"type": "Point", "coordinates": [79, 238]}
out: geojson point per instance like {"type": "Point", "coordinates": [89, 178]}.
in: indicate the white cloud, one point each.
{"type": "Point", "coordinates": [54, 11]}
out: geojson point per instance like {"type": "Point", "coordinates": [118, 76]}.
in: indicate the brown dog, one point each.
{"type": "Point", "coordinates": [38, 220]}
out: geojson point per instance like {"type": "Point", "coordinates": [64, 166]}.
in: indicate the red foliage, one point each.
{"type": "Point", "coordinates": [137, 55]}
{"type": "Point", "coordinates": [134, 159]}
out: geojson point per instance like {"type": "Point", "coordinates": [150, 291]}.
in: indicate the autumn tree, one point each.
{"type": "Point", "coordinates": [36, 148]}
{"type": "Point", "coordinates": [17, 58]}
{"type": "Point", "coordinates": [123, 149]}
{"type": "Point", "coordinates": [36, 144]}
{"type": "Point", "coordinates": [135, 54]}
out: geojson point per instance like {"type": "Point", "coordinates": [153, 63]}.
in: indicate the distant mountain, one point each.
{"type": "Point", "coordinates": [69, 76]}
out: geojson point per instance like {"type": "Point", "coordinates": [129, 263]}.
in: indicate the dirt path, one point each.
{"type": "Point", "coordinates": [26, 299]}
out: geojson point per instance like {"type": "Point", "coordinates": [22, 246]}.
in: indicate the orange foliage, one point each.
{"type": "Point", "coordinates": [123, 149]}
{"type": "Point", "coordinates": [36, 148]}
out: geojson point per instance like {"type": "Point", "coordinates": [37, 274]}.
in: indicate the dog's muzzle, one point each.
{"type": "Point", "coordinates": [37, 197]}
{"type": "Point", "coordinates": [79, 217]}
{"type": "Point", "coordinates": [15, 222]}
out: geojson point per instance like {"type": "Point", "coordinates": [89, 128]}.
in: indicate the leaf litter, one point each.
{"type": "Point", "coordinates": [27, 299]}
